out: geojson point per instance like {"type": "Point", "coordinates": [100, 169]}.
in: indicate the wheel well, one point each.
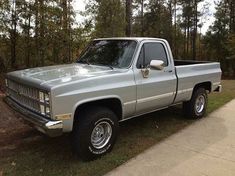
{"type": "Point", "coordinates": [205, 85]}
{"type": "Point", "coordinates": [113, 104]}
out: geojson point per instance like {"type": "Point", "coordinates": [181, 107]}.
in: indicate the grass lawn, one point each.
{"type": "Point", "coordinates": [53, 156]}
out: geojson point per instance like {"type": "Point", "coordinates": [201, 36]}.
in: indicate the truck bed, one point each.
{"type": "Point", "coordinates": [191, 73]}
{"type": "Point", "coordinates": [188, 62]}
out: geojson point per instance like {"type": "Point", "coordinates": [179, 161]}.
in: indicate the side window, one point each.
{"type": "Point", "coordinates": [152, 51]}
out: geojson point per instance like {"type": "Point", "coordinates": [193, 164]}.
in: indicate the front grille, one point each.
{"type": "Point", "coordinates": [24, 95]}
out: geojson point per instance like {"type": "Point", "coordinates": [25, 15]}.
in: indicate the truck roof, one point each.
{"type": "Point", "coordinates": [131, 38]}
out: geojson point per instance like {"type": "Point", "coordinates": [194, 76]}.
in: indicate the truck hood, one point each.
{"type": "Point", "coordinates": [60, 74]}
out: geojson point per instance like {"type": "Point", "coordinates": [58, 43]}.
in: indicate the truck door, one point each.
{"type": "Point", "coordinates": [158, 89]}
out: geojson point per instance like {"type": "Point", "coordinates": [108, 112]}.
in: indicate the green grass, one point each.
{"type": "Point", "coordinates": [216, 100]}
{"type": "Point", "coordinates": [53, 156]}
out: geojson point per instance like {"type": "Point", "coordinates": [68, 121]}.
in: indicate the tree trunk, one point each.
{"type": "Point", "coordinates": [28, 42]}
{"type": "Point", "coordinates": [232, 16]}
{"type": "Point", "coordinates": [175, 29]}
{"type": "Point", "coordinates": [188, 37]}
{"type": "Point", "coordinates": [65, 27]}
{"type": "Point", "coordinates": [65, 15]}
{"type": "Point", "coordinates": [171, 25]}
{"type": "Point", "coordinates": [13, 36]}
{"type": "Point", "coordinates": [185, 43]}
{"type": "Point", "coordinates": [42, 32]}
{"type": "Point", "coordinates": [142, 18]}
{"type": "Point", "coordinates": [194, 31]}
{"type": "Point", "coordinates": [69, 28]}
{"type": "Point", "coordinates": [128, 17]}
{"type": "Point", "coordinates": [36, 31]}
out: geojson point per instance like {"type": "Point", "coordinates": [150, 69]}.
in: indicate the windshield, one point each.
{"type": "Point", "coordinates": [112, 53]}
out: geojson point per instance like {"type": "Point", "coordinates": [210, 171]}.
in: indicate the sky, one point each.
{"type": "Point", "coordinates": [207, 20]}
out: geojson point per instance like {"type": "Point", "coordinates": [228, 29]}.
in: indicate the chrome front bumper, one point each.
{"type": "Point", "coordinates": [48, 127]}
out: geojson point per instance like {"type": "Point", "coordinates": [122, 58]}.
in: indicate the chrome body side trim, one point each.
{"type": "Point", "coordinates": [143, 100]}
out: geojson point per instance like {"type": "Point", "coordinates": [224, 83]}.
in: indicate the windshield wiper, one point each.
{"type": "Point", "coordinates": [83, 62]}
{"type": "Point", "coordinates": [110, 66]}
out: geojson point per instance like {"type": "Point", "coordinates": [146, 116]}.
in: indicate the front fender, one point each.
{"type": "Point", "coordinates": [90, 100]}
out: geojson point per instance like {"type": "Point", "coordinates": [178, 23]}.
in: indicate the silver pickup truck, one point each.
{"type": "Point", "coordinates": [113, 80]}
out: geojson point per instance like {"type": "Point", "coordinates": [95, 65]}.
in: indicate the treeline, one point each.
{"type": "Point", "coordinates": [40, 32]}
{"type": "Point", "coordinates": [37, 33]}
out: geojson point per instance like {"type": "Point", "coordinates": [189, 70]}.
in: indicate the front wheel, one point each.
{"type": "Point", "coordinates": [196, 107]}
{"type": "Point", "coordinates": [95, 133]}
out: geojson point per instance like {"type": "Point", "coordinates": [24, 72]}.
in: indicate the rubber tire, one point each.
{"type": "Point", "coordinates": [83, 127]}
{"type": "Point", "coordinates": [189, 106]}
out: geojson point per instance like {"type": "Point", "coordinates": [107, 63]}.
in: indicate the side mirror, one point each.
{"type": "Point", "coordinates": [157, 64]}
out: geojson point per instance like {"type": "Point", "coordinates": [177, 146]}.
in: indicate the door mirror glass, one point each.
{"type": "Point", "coordinates": [157, 64]}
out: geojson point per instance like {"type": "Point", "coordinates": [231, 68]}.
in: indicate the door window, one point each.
{"type": "Point", "coordinates": [151, 51]}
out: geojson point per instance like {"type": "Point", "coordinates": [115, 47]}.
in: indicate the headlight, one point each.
{"type": "Point", "coordinates": [7, 90]}
{"type": "Point", "coordinates": [41, 96]}
{"type": "Point", "coordinates": [6, 82]}
{"type": "Point", "coordinates": [44, 99]}
{"type": "Point", "coordinates": [42, 109]}
{"type": "Point", "coordinates": [45, 110]}
{"type": "Point", "coordinates": [48, 111]}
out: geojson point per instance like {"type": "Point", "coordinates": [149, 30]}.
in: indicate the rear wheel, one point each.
{"type": "Point", "coordinates": [95, 132]}
{"type": "Point", "coordinates": [196, 107]}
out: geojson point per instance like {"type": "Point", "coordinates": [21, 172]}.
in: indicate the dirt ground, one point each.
{"type": "Point", "coordinates": [13, 131]}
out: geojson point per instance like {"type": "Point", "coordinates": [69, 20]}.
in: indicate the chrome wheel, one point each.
{"type": "Point", "coordinates": [200, 104]}
{"type": "Point", "coordinates": [101, 135]}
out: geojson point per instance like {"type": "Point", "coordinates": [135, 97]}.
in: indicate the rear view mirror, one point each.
{"type": "Point", "coordinates": [157, 64]}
